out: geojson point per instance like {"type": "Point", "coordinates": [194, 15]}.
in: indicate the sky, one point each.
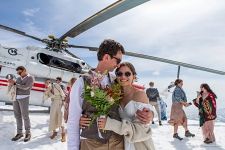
{"type": "Point", "coordinates": [187, 31]}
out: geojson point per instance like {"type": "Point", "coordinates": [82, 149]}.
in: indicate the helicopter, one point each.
{"type": "Point", "coordinates": [47, 63]}
{"type": "Point", "coordinates": [56, 60]}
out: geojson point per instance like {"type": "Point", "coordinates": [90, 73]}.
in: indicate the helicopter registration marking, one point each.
{"type": "Point", "coordinates": [7, 63]}
{"type": "Point", "coordinates": [12, 51]}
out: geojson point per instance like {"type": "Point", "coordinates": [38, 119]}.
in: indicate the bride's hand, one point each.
{"type": "Point", "coordinates": [102, 123]}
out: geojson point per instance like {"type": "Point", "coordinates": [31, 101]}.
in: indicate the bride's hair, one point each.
{"type": "Point", "coordinates": [129, 65]}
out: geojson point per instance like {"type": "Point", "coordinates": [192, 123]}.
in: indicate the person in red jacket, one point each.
{"type": "Point", "coordinates": [206, 103]}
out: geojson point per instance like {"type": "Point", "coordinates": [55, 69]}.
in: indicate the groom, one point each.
{"type": "Point", "coordinates": [109, 57]}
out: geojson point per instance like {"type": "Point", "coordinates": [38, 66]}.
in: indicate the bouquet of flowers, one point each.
{"type": "Point", "coordinates": [103, 99]}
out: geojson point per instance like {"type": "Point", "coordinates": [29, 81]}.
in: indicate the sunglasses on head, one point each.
{"type": "Point", "coordinates": [120, 74]}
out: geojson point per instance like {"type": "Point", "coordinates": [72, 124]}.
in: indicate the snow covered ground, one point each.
{"type": "Point", "coordinates": [162, 135]}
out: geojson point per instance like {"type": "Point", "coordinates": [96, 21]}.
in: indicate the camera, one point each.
{"type": "Point", "coordinates": [10, 77]}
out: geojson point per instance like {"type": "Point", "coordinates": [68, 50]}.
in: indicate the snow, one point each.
{"type": "Point", "coordinates": [40, 135]}
{"type": "Point", "coordinates": [162, 135]}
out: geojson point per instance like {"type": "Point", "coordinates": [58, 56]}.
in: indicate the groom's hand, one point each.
{"type": "Point", "coordinates": [145, 115]}
{"type": "Point", "coordinates": [84, 121]}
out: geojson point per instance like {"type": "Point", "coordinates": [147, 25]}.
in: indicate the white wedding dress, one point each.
{"type": "Point", "coordinates": [128, 113]}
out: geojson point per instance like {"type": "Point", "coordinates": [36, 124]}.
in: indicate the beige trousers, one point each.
{"type": "Point", "coordinates": [156, 105]}
{"type": "Point", "coordinates": [56, 115]}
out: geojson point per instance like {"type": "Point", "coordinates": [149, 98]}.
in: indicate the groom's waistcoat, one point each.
{"type": "Point", "coordinates": [92, 131]}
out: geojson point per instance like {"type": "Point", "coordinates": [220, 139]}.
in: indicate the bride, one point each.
{"type": "Point", "coordinates": [136, 135]}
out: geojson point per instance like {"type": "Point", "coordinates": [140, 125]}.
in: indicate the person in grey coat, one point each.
{"type": "Point", "coordinates": [153, 96]}
{"type": "Point", "coordinates": [21, 104]}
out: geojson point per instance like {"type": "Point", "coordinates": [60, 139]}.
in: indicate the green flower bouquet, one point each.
{"type": "Point", "coordinates": [103, 99]}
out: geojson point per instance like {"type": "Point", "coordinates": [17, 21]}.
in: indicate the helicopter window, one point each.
{"type": "Point", "coordinates": [43, 58]}
{"type": "Point", "coordinates": [58, 63]}
{"type": "Point", "coordinates": [77, 67]}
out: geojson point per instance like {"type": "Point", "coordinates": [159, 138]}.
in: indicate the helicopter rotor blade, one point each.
{"type": "Point", "coordinates": [20, 33]}
{"type": "Point", "coordinates": [84, 47]}
{"type": "Point", "coordinates": [112, 10]}
{"type": "Point", "coordinates": [71, 54]}
{"type": "Point", "coordinates": [168, 61]}
{"type": "Point", "coordinates": [175, 63]}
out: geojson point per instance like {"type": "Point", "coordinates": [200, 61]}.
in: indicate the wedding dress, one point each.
{"type": "Point", "coordinates": [129, 113]}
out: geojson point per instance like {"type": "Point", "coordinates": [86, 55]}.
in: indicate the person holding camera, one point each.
{"type": "Point", "coordinates": [177, 115]}
{"type": "Point", "coordinates": [206, 103]}
{"type": "Point", "coordinates": [23, 86]}
{"type": "Point", "coordinates": [56, 94]}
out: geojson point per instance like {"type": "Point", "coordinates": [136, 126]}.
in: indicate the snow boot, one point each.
{"type": "Point", "coordinates": [176, 136]}
{"type": "Point", "coordinates": [63, 137]}
{"type": "Point", "coordinates": [17, 137]}
{"type": "Point", "coordinates": [189, 134]}
{"type": "Point", "coordinates": [54, 134]}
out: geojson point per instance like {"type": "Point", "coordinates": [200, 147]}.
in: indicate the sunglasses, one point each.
{"type": "Point", "coordinates": [120, 74]}
{"type": "Point", "coordinates": [117, 59]}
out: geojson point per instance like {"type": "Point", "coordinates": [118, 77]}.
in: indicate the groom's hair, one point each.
{"type": "Point", "coordinates": [22, 68]}
{"type": "Point", "coordinates": [109, 47]}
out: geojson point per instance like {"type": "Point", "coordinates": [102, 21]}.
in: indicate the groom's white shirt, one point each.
{"type": "Point", "coordinates": [75, 110]}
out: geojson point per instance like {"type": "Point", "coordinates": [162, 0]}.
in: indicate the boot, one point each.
{"type": "Point", "coordinates": [27, 137]}
{"type": "Point", "coordinates": [54, 134]}
{"type": "Point", "coordinates": [160, 123]}
{"type": "Point", "coordinates": [63, 137]}
{"type": "Point", "coordinates": [176, 136]}
{"type": "Point", "coordinates": [207, 141]}
{"type": "Point", "coordinates": [189, 134]}
{"type": "Point", "coordinates": [17, 137]}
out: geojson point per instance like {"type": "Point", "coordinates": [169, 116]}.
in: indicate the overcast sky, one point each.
{"type": "Point", "coordinates": [190, 31]}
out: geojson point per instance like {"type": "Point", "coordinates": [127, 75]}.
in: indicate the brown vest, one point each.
{"type": "Point", "coordinates": [92, 131]}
